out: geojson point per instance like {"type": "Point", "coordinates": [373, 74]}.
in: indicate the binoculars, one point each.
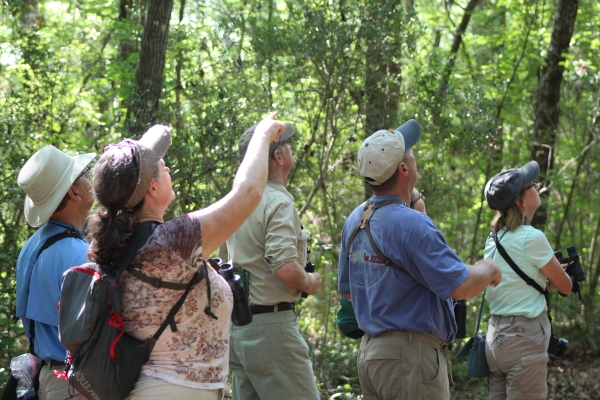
{"type": "Point", "coordinates": [309, 267]}
{"type": "Point", "coordinates": [241, 314]}
{"type": "Point", "coordinates": [460, 315]}
{"type": "Point", "coordinates": [574, 269]}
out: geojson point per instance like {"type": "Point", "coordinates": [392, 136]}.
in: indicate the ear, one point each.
{"type": "Point", "coordinates": [74, 193]}
{"type": "Point", "coordinates": [519, 202]}
{"type": "Point", "coordinates": [153, 189]}
{"type": "Point", "coordinates": [277, 157]}
{"type": "Point", "coordinates": [402, 169]}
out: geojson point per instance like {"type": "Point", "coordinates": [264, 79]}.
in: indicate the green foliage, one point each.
{"type": "Point", "coordinates": [67, 71]}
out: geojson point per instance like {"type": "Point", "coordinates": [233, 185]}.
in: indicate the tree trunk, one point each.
{"type": "Point", "coordinates": [143, 106]}
{"type": "Point", "coordinates": [382, 72]}
{"type": "Point", "coordinates": [547, 109]}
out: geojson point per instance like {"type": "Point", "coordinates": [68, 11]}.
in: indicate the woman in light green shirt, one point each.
{"type": "Point", "coordinates": [519, 327]}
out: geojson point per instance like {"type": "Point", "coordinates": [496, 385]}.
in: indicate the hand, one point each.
{"type": "Point", "coordinates": [494, 270]}
{"type": "Point", "coordinates": [315, 282]}
{"type": "Point", "coordinates": [270, 128]}
{"type": "Point", "coordinates": [565, 266]}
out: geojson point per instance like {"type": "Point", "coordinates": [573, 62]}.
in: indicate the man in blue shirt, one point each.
{"type": "Point", "coordinates": [406, 311]}
{"type": "Point", "coordinates": [58, 199]}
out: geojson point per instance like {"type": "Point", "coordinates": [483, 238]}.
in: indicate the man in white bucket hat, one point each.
{"type": "Point", "coordinates": [58, 199]}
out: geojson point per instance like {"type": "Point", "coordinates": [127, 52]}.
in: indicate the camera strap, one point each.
{"type": "Point", "coordinates": [523, 275]}
{"type": "Point", "coordinates": [480, 312]}
{"type": "Point", "coordinates": [516, 268]}
{"type": "Point", "coordinates": [368, 211]}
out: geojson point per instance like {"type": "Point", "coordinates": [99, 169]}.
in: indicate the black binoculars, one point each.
{"type": "Point", "coordinates": [241, 314]}
{"type": "Point", "coordinates": [460, 315]}
{"type": "Point", "coordinates": [309, 267]}
{"type": "Point", "coordinates": [557, 346]}
{"type": "Point", "coordinates": [574, 269]}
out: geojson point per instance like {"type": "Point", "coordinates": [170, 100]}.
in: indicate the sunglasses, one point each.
{"type": "Point", "coordinates": [286, 141]}
{"type": "Point", "coordinates": [524, 189]}
{"type": "Point", "coordinates": [85, 172]}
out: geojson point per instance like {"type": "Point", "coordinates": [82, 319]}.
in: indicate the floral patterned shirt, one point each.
{"type": "Point", "coordinates": [197, 355]}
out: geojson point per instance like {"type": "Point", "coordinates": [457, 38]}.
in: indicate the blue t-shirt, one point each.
{"type": "Point", "coordinates": [386, 299]}
{"type": "Point", "coordinates": [38, 286]}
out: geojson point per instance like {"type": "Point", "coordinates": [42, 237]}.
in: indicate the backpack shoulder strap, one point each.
{"type": "Point", "coordinates": [69, 232]}
{"type": "Point", "coordinates": [170, 320]}
{"type": "Point", "coordinates": [139, 239]}
{"type": "Point", "coordinates": [141, 234]}
{"type": "Point", "coordinates": [368, 211]}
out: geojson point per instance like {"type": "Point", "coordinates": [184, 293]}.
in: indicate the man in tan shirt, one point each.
{"type": "Point", "coordinates": [269, 358]}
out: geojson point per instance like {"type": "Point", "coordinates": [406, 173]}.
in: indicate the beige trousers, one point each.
{"type": "Point", "coordinates": [403, 366]}
{"type": "Point", "coordinates": [151, 388]}
{"type": "Point", "coordinates": [516, 351]}
{"type": "Point", "coordinates": [53, 388]}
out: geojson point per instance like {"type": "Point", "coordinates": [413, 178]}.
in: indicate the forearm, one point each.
{"type": "Point", "coordinates": [252, 174]}
{"type": "Point", "coordinates": [224, 217]}
{"type": "Point", "coordinates": [292, 274]}
{"type": "Point", "coordinates": [482, 274]}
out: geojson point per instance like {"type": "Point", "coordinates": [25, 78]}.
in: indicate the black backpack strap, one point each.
{"type": "Point", "coordinates": [141, 234]}
{"type": "Point", "coordinates": [170, 320]}
{"type": "Point", "coordinates": [368, 211]}
{"type": "Point", "coordinates": [157, 283]}
{"type": "Point", "coordinates": [69, 232]}
{"type": "Point", "coordinates": [139, 239]}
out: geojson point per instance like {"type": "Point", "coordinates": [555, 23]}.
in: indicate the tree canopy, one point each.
{"type": "Point", "coordinates": [493, 84]}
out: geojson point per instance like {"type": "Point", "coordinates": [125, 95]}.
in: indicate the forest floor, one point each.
{"type": "Point", "coordinates": [575, 376]}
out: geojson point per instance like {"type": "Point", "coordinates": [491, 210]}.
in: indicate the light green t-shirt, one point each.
{"type": "Point", "coordinates": [271, 237]}
{"type": "Point", "coordinates": [530, 250]}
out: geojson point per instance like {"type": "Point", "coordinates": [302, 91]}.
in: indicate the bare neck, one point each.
{"type": "Point", "coordinates": [72, 215]}
{"type": "Point", "coordinates": [401, 191]}
{"type": "Point", "coordinates": [277, 174]}
{"type": "Point", "coordinates": [148, 214]}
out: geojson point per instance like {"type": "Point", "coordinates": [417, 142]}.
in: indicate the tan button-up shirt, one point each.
{"type": "Point", "coordinates": [270, 238]}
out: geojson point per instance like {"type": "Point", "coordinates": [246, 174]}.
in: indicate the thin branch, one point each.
{"type": "Point", "coordinates": [520, 58]}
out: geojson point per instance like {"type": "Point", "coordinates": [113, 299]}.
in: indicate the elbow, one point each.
{"type": "Point", "coordinates": [460, 294]}
{"type": "Point", "coordinates": [249, 195]}
{"type": "Point", "coordinates": [565, 287]}
{"type": "Point", "coordinates": [254, 196]}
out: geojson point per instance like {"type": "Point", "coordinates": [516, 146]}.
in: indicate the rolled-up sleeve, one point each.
{"type": "Point", "coordinates": [281, 237]}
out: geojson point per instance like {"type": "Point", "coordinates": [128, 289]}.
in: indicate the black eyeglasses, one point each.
{"type": "Point", "coordinates": [524, 189]}
{"type": "Point", "coordinates": [85, 172]}
{"type": "Point", "coordinates": [286, 141]}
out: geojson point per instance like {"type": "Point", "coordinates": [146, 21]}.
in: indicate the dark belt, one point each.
{"type": "Point", "coordinates": [267, 309]}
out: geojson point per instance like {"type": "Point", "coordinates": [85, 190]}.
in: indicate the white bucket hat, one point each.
{"type": "Point", "coordinates": [46, 177]}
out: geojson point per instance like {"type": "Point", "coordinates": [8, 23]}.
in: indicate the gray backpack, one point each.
{"type": "Point", "coordinates": [104, 362]}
